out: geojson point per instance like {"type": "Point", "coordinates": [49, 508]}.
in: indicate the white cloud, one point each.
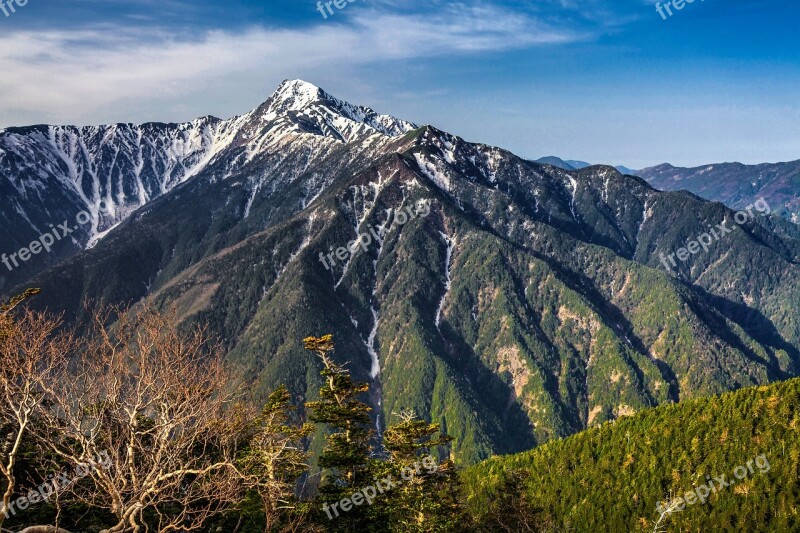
{"type": "Point", "coordinates": [91, 74]}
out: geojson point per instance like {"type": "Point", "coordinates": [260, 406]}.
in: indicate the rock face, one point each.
{"type": "Point", "coordinates": [523, 302]}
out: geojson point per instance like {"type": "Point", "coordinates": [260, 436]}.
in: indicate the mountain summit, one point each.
{"type": "Point", "coordinates": [308, 108]}
{"type": "Point", "coordinates": [53, 173]}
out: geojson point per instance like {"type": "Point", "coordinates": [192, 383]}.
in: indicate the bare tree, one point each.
{"type": "Point", "coordinates": [30, 349]}
{"type": "Point", "coordinates": [161, 405]}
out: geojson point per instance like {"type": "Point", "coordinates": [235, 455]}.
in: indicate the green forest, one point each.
{"type": "Point", "coordinates": [137, 424]}
{"type": "Point", "coordinates": [617, 473]}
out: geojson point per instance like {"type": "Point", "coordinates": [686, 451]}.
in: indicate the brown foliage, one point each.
{"type": "Point", "coordinates": [31, 352]}
{"type": "Point", "coordinates": [162, 406]}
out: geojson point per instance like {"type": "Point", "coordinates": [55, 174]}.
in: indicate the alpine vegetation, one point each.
{"type": "Point", "coordinates": [376, 232]}
{"type": "Point", "coordinates": [702, 492]}
{"type": "Point", "coordinates": [370, 492]}
{"type": "Point", "coordinates": [714, 234]}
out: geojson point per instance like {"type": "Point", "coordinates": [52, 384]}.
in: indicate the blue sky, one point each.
{"type": "Point", "coordinates": [603, 81]}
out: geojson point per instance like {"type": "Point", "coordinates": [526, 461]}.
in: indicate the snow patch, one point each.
{"type": "Point", "coordinates": [450, 242]}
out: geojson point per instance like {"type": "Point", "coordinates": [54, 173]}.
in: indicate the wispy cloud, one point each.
{"type": "Point", "coordinates": [68, 76]}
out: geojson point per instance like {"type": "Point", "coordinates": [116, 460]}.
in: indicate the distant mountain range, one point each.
{"type": "Point", "coordinates": [529, 303]}
{"type": "Point", "coordinates": [734, 184]}
{"type": "Point", "coordinates": [560, 163]}
{"type": "Point", "coordinates": [572, 164]}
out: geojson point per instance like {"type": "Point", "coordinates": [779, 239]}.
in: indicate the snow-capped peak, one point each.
{"type": "Point", "coordinates": [300, 106]}
{"type": "Point", "coordinates": [125, 166]}
{"type": "Point", "coordinates": [293, 95]}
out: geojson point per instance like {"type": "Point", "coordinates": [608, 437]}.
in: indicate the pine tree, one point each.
{"type": "Point", "coordinates": [275, 457]}
{"type": "Point", "coordinates": [509, 510]}
{"type": "Point", "coordinates": [345, 458]}
{"type": "Point", "coordinates": [427, 498]}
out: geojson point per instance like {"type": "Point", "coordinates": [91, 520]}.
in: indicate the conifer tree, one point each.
{"type": "Point", "coordinates": [427, 497]}
{"type": "Point", "coordinates": [345, 458]}
{"type": "Point", "coordinates": [509, 510]}
{"type": "Point", "coordinates": [275, 458]}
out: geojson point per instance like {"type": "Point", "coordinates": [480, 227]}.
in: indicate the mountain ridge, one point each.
{"type": "Point", "coordinates": [111, 171]}
{"type": "Point", "coordinates": [735, 184]}
{"type": "Point", "coordinates": [528, 305]}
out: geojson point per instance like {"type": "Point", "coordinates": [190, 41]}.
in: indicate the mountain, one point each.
{"type": "Point", "coordinates": [626, 170]}
{"type": "Point", "coordinates": [556, 162]}
{"type": "Point", "coordinates": [738, 453]}
{"type": "Point", "coordinates": [572, 164]}
{"type": "Point", "coordinates": [734, 184]}
{"type": "Point", "coordinates": [577, 165]}
{"type": "Point", "coordinates": [51, 174]}
{"type": "Point", "coordinates": [511, 302]}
